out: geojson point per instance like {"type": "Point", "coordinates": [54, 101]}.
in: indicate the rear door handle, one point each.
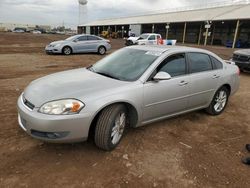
{"type": "Point", "coordinates": [215, 76]}
{"type": "Point", "coordinates": [183, 83]}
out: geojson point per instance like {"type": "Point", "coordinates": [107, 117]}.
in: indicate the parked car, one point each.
{"type": "Point", "coordinates": [242, 59]}
{"type": "Point", "coordinates": [144, 39]}
{"type": "Point", "coordinates": [18, 31]}
{"type": "Point", "coordinates": [132, 87]}
{"type": "Point", "coordinates": [36, 32]}
{"type": "Point", "coordinates": [79, 44]}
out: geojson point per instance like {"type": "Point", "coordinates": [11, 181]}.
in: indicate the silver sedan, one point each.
{"type": "Point", "coordinates": [134, 86]}
{"type": "Point", "coordinates": [79, 44]}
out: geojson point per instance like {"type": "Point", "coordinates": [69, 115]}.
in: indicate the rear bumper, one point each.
{"type": "Point", "coordinates": [53, 128]}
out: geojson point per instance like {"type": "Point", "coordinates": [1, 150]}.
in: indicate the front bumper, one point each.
{"type": "Point", "coordinates": [53, 50]}
{"type": "Point", "coordinates": [130, 43]}
{"type": "Point", "coordinates": [53, 128]}
{"type": "Point", "coordinates": [243, 65]}
{"type": "Point", "coordinates": [108, 47]}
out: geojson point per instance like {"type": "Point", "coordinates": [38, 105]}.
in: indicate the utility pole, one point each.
{"type": "Point", "coordinates": [184, 33]}
{"type": "Point", "coordinates": [236, 33]}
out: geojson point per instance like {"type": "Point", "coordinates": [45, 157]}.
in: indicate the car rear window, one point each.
{"type": "Point", "coordinates": [216, 63]}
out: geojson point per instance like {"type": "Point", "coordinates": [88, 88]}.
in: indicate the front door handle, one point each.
{"type": "Point", "coordinates": [183, 83]}
{"type": "Point", "coordinates": [215, 76]}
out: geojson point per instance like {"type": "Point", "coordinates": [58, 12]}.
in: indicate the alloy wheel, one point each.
{"type": "Point", "coordinates": [118, 129]}
{"type": "Point", "coordinates": [220, 101]}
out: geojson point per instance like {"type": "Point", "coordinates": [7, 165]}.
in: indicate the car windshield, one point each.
{"type": "Point", "coordinates": [71, 38]}
{"type": "Point", "coordinates": [126, 64]}
{"type": "Point", "coordinates": [144, 36]}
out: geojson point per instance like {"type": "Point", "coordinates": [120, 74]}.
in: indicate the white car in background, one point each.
{"type": "Point", "coordinates": [18, 31]}
{"type": "Point", "coordinates": [144, 39]}
{"type": "Point", "coordinates": [36, 32]}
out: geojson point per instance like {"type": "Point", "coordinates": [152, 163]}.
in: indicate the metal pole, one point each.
{"type": "Point", "coordinates": [167, 34]}
{"type": "Point", "coordinates": [199, 39]}
{"type": "Point", "coordinates": [236, 33]}
{"type": "Point", "coordinates": [153, 28]}
{"type": "Point", "coordinates": [212, 40]}
{"type": "Point", "coordinates": [184, 33]}
{"type": "Point", "coordinates": [79, 18]}
{"type": "Point", "coordinates": [122, 31]}
{"type": "Point", "coordinates": [205, 42]}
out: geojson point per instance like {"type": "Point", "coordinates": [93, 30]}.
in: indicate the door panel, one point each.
{"type": "Point", "coordinates": [93, 45]}
{"type": "Point", "coordinates": [165, 97]}
{"type": "Point", "coordinates": [202, 88]}
{"type": "Point", "coordinates": [82, 46]}
{"type": "Point", "coordinates": [203, 79]}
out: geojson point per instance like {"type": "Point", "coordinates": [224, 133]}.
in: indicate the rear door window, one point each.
{"type": "Point", "coordinates": [199, 62]}
{"type": "Point", "coordinates": [93, 38]}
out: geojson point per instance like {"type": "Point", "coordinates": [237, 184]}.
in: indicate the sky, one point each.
{"type": "Point", "coordinates": [59, 12]}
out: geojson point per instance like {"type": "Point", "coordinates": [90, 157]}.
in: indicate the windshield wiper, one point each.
{"type": "Point", "coordinates": [91, 68]}
{"type": "Point", "coordinates": [108, 75]}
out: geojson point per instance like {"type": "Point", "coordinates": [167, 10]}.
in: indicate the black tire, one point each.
{"type": "Point", "coordinates": [67, 50]}
{"type": "Point", "coordinates": [106, 123]}
{"type": "Point", "coordinates": [211, 109]}
{"type": "Point", "coordinates": [129, 43]}
{"type": "Point", "coordinates": [101, 50]}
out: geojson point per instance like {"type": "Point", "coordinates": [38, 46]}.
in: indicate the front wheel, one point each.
{"type": "Point", "coordinates": [67, 50]}
{"type": "Point", "coordinates": [110, 127]}
{"type": "Point", "coordinates": [101, 50]}
{"type": "Point", "coordinates": [219, 101]}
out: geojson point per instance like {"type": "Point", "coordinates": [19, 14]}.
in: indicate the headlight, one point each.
{"type": "Point", "coordinates": [57, 45]}
{"type": "Point", "coordinates": [54, 45]}
{"type": "Point", "coordinates": [62, 107]}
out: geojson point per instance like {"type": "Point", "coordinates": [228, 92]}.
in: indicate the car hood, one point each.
{"type": "Point", "coordinates": [58, 42]}
{"type": "Point", "coordinates": [243, 52]}
{"type": "Point", "coordinates": [78, 84]}
{"type": "Point", "coordinates": [133, 38]}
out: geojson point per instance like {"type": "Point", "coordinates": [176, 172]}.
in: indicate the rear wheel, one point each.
{"type": "Point", "coordinates": [101, 50]}
{"type": "Point", "coordinates": [219, 101]}
{"type": "Point", "coordinates": [66, 50]}
{"type": "Point", "coordinates": [110, 127]}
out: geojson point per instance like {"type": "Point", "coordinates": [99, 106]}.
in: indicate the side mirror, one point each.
{"type": "Point", "coordinates": [76, 40]}
{"type": "Point", "coordinates": [162, 76]}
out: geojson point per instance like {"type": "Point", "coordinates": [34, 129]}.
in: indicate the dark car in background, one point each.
{"type": "Point", "coordinates": [242, 59]}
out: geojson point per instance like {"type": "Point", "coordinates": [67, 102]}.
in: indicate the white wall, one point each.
{"type": "Point", "coordinates": [135, 28]}
{"type": "Point", "coordinates": [87, 29]}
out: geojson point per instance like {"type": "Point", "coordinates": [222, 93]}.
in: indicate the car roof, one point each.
{"type": "Point", "coordinates": [165, 48]}
{"type": "Point", "coordinates": [150, 34]}
{"type": "Point", "coordinates": [79, 35]}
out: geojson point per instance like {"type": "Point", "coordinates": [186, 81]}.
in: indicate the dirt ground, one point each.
{"type": "Point", "coordinates": [192, 150]}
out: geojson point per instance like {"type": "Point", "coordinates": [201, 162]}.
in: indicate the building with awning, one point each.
{"type": "Point", "coordinates": [217, 25]}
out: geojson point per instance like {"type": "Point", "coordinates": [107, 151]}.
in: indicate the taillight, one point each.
{"type": "Point", "coordinates": [238, 71]}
